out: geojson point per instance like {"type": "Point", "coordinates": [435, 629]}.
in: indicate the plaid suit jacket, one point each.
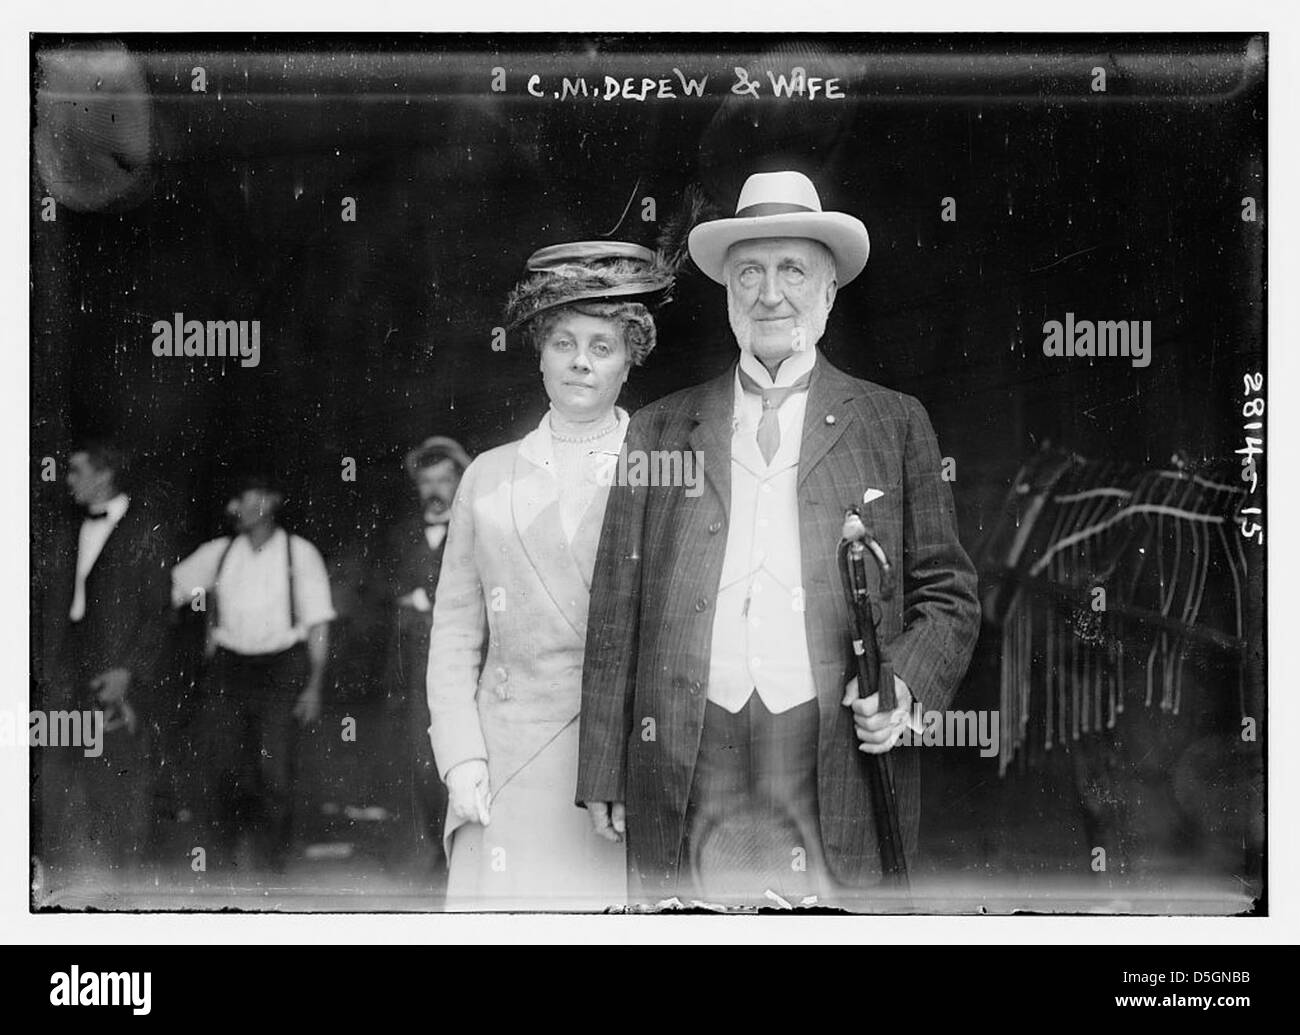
{"type": "Point", "coordinates": [656, 577]}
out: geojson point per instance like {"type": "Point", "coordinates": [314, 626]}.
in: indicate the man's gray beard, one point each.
{"type": "Point", "coordinates": [740, 325]}
{"type": "Point", "coordinates": [813, 323]}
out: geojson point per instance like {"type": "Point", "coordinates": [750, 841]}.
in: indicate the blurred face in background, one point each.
{"type": "Point", "coordinates": [779, 295]}
{"type": "Point", "coordinates": [584, 364]}
{"type": "Point", "coordinates": [437, 483]}
{"type": "Point", "coordinates": [87, 483]}
{"type": "Point", "coordinates": [253, 507]}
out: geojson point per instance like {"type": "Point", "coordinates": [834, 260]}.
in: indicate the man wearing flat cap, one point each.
{"type": "Point", "coordinates": [721, 730]}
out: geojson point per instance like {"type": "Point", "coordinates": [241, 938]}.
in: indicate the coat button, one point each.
{"type": "Point", "coordinates": [702, 604]}
{"type": "Point", "coordinates": [696, 686]}
{"type": "Point", "coordinates": [715, 528]}
{"type": "Point", "coordinates": [830, 418]}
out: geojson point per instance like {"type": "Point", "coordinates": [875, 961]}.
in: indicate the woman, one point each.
{"type": "Point", "coordinates": [515, 579]}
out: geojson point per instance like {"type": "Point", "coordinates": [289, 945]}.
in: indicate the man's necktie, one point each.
{"type": "Point", "coordinates": [769, 425]}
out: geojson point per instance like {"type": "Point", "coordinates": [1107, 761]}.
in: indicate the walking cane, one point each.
{"type": "Point", "coordinates": [856, 543]}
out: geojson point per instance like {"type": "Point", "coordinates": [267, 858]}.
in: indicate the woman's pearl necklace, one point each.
{"type": "Point", "coordinates": [584, 438]}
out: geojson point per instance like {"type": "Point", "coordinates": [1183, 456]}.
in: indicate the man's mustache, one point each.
{"type": "Point", "coordinates": [436, 505]}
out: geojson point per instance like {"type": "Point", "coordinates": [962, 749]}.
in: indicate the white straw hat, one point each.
{"type": "Point", "coordinates": [782, 204]}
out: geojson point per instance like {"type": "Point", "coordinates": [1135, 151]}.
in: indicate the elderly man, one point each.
{"type": "Point", "coordinates": [720, 727]}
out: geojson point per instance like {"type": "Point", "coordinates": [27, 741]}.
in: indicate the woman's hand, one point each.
{"type": "Point", "coordinates": [467, 790]}
{"type": "Point", "coordinates": [608, 819]}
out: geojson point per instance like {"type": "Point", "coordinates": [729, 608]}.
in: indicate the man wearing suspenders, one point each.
{"type": "Point", "coordinates": [266, 595]}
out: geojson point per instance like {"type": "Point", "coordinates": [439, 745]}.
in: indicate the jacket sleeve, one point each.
{"type": "Point", "coordinates": [456, 642]}
{"type": "Point", "coordinates": [941, 611]}
{"type": "Point", "coordinates": [610, 661]}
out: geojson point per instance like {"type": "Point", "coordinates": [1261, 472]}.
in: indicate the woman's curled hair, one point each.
{"type": "Point", "coordinates": [635, 325]}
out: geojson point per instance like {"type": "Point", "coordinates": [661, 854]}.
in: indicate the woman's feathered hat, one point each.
{"type": "Point", "coordinates": [588, 271]}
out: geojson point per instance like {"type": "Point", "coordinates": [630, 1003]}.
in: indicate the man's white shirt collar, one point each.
{"type": "Point", "coordinates": [116, 507]}
{"type": "Point", "coordinates": [94, 534]}
{"type": "Point", "coordinates": [791, 369]}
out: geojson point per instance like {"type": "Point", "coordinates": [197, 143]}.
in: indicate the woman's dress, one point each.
{"type": "Point", "coordinates": [515, 581]}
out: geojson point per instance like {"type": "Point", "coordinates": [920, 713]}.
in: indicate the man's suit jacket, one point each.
{"type": "Point", "coordinates": [128, 605]}
{"type": "Point", "coordinates": [653, 599]}
{"type": "Point", "coordinates": [410, 564]}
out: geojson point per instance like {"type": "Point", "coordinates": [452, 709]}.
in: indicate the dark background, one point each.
{"type": "Point", "coordinates": [1122, 205]}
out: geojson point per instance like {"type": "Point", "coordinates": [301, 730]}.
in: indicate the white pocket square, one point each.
{"type": "Point", "coordinates": [872, 494]}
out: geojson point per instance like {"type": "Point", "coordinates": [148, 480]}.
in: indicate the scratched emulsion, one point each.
{"type": "Point", "coordinates": [292, 259]}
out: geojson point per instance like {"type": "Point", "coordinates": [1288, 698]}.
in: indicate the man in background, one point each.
{"type": "Point", "coordinates": [104, 622]}
{"type": "Point", "coordinates": [266, 595]}
{"type": "Point", "coordinates": [414, 554]}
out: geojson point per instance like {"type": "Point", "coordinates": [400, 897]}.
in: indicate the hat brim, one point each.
{"type": "Point", "coordinates": [650, 291]}
{"type": "Point", "coordinates": [844, 235]}
{"type": "Point", "coordinates": [452, 449]}
{"type": "Point", "coordinates": [257, 482]}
